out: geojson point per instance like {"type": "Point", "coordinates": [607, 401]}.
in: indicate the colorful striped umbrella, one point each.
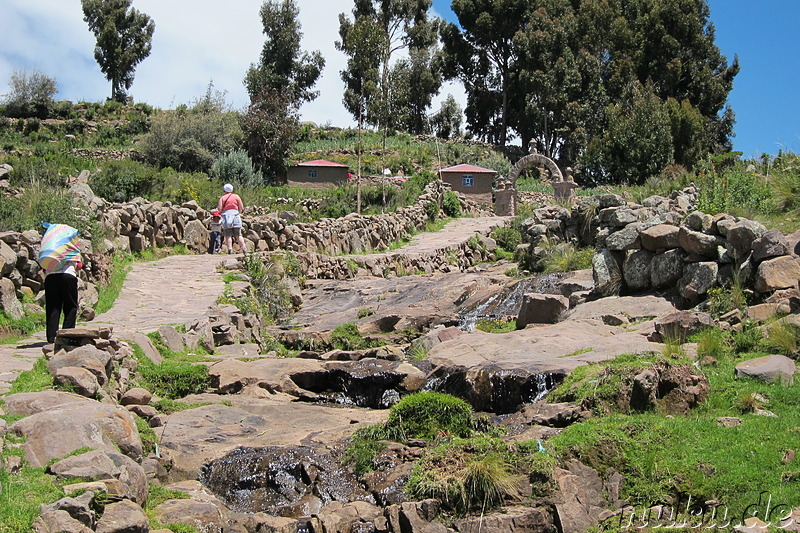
{"type": "Point", "coordinates": [59, 245]}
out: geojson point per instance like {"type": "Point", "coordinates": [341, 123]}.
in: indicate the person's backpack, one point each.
{"type": "Point", "coordinates": [59, 245]}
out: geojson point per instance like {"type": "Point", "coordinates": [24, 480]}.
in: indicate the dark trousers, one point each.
{"type": "Point", "coordinates": [60, 294]}
{"type": "Point", "coordinates": [215, 243]}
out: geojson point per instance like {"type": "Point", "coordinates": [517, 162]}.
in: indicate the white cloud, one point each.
{"type": "Point", "coordinates": [195, 42]}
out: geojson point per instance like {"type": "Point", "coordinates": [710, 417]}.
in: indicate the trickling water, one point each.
{"type": "Point", "coordinates": [494, 389]}
{"type": "Point", "coordinates": [508, 301]}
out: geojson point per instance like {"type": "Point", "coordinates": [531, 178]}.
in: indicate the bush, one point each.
{"type": "Point", "coordinates": [121, 181]}
{"type": "Point", "coordinates": [432, 211]}
{"type": "Point", "coordinates": [31, 94]}
{"type": "Point", "coordinates": [236, 167]}
{"type": "Point", "coordinates": [508, 238]}
{"type": "Point", "coordinates": [191, 139]}
{"type": "Point", "coordinates": [347, 337]}
{"type": "Point", "coordinates": [451, 205]}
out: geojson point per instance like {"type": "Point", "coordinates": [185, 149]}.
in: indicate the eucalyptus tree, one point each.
{"type": "Point", "coordinates": [362, 43]}
{"type": "Point", "coordinates": [377, 31]}
{"type": "Point", "coordinates": [124, 39]}
{"type": "Point", "coordinates": [281, 81]}
{"type": "Point", "coordinates": [413, 83]}
{"type": "Point", "coordinates": [283, 66]}
{"type": "Point", "coordinates": [480, 52]}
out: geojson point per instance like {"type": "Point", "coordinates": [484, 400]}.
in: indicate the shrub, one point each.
{"type": "Point", "coordinates": [432, 211]}
{"type": "Point", "coordinates": [347, 337]}
{"type": "Point", "coordinates": [508, 238]}
{"type": "Point", "coordinates": [236, 167]}
{"type": "Point", "coordinates": [31, 94]}
{"type": "Point", "coordinates": [191, 139]}
{"type": "Point", "coordinates": [451, 205]}
{"type": "Point", "coordinates": [270, 298]}
{"type": "Point", "coordinates": [121, 181]}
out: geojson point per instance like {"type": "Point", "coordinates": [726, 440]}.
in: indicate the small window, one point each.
{"type": "Point", "coordinates": [467, 181]}
{"type": "Point", "coordinates": [312, 173]}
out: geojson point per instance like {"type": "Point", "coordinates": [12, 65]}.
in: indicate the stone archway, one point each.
{"type": "Point", "coordinates": [535, 160]}
{"type": "Point", "coordinates": [506, 200]}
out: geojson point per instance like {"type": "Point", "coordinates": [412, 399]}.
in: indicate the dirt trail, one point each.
{"type": "Point", "coordinates": [178, 289]}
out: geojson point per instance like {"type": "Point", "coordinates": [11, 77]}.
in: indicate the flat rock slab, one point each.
{"type": "Point", "coordinates": [330, 303]}
{"type": "Point", "coordinates": [193, 437]}
{"type": "Point", "coordinates": [557, 348]}
{"type": "Point", "coordinates": [55, 432]}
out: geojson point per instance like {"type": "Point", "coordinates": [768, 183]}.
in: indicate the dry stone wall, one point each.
{"type": "Point", "coordinates": [664, 243]}
{"type": "Point", "coordinates": [141, 224]}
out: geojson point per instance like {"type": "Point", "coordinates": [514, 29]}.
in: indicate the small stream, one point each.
{"type": "Point", "coordinates": [508, 301]}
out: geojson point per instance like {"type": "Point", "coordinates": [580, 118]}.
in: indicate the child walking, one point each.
{"type": "Point", "coordinates": [216, 233]}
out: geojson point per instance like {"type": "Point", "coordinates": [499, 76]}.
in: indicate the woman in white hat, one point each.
{"type": "Point", "coordinates": [230, 205]}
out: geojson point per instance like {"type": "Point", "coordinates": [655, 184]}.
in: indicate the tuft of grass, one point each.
{"type": "Point", "coordinates": [496, 326]}
{"type": "Point", "coordinates": [673, 348]}
{"type": "Point", "coordinates": [148, 436]}
{"type": "Point", "coordinates": [168, 406]}
{"type": "Point", "coordinates": [564, 257]}
{"type": "Point", "coordinates": [783, 338]}
{"type": "Point", "coordinates": [34, 380]}
{"type": "Point", "coordinates": [712, 342]}
{"type": "Point", "coordinates": [172, 379]}
{"type": "Point", "coordinates": [347, 337]}
{"type": "Point", "coordinates": [479, 473]}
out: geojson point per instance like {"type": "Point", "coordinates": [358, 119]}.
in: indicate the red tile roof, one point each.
{"type": "Point", "coordinates": [469, 168]}
{"type": "Point", "coordinates": [321, 163]}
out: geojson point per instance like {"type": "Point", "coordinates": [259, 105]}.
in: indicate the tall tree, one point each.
{"type": "Point", "coordinates": [362, 42]}
{"type": "Point", "coordinates": [270, 127]}
{"type": "Point", "coordinates": [401, 24]}
{"type": "Point", "coordinates": [124, 37]}
{"type": "Point", "coordinates": [480, 52]}
{"type": "Point", "coordinates": [413, 83]}
{"type": "Point", "coordinates": [283, 66]}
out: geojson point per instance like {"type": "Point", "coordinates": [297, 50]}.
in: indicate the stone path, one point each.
{"type": "Point", "coordinates": [178, 289]}
{"type": "Point", "coordinates": [454, 233]}
{"type": "Point", "coordinates": [173, 290]}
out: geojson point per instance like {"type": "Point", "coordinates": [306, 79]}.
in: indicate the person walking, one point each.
{"type": "Point", "coordinates": [231, 206]}
{"type": "Point", "coordinates": [60, 258]}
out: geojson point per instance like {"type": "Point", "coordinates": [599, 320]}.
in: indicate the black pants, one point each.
{"type": "Point", "coordinates": [60, 294]}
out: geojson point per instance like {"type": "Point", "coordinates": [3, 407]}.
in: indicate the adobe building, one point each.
{"type": "Point", "coordinates": [474, 182]}
{"type": "Point", "coordinates": [317, 174]}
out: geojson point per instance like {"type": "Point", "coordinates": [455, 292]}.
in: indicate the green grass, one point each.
{"type": "Point", "coordinates": [22, 495]}
{"type": "Point", "coordinates": [109, 292]}
{"type": "Point", "coordinates": [14, 330]}
{"type": "Point", "coordinates": [496, 326]}
{"type": "Point", "coordinates": [663, 458]}
{"type": "Point", "coordinates": [34, 380]}
{"type": "Point", "coordinates": [174, 378]}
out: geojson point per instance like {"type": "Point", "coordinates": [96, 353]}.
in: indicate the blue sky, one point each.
{"type": "Point", "coordinates": [196, 43]}
{"type": "Point", "coordinates": [766, 93]}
